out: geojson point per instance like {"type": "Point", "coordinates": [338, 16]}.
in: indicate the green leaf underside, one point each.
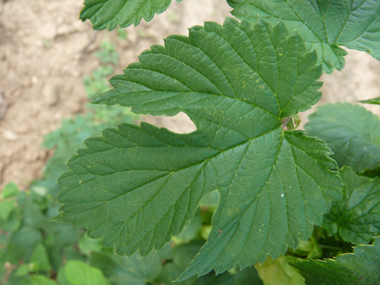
{"type": "Point", "coordinates": [107, 14]}
{"type": "Point", "coordinates": [351, 131]}
{"type": "Point", "coordinates": [139, 185]}
{"type": "Point", "coordinates": [374, 101]}
{"type": "Point", "coordinates": [356, 217]}
{"type": "Point", "coordinates": [358, 268]}
{"type": "Point", "coordinates": [324, 25]}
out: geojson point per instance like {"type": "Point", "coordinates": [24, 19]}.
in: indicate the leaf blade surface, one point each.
{"type": "Point", "coordinates": [324, 25]}
{"type": "Point", "coordinates": [107, 14]}
{"type": "Point", "coordinates": [355, 217]}
{"type": "Point", "coordinates": [351, 131]}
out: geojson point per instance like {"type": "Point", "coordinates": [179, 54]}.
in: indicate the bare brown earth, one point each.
{"type": "Point", "coordinates": [45, 52]}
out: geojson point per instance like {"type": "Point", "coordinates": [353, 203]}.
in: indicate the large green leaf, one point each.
{"type": "Point", "coordinates": [139, 185]}
{"type": "Point", "coordinates": [351, 131]}
{"type": "Point", "coordinates": [324, 25]}
{"type": "Point", "coordinates": [107, 14]}
{"type": "Point", "coordinates": [358, 268]}
{"type": "Point", "coordinates": [356, 216]}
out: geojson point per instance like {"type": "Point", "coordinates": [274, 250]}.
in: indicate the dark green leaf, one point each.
{"type": "Point", "coordinates": [358, 268]}
{"type": "Point", "coordinates": [212, 279]}
{"type": "Point", "coordinates": [351, 131]}
{"type": "Point", "coordinates": [107, 14]}
{"type": "Point", "coordinates": [324, 25]}
{"type": "Point", "coordinates": [133, 270]}
{"type": "Point", "coordinates": [23, 242]}
{"type": "Point", "coordinates": [356, 217]}
{"type": "Point", "coordinates": [170, 272]}
{"type": "Point", "coordinates": [375, 101]}
{"type": "Point", "coordinates": [183, 254]}
{"type": "Point", "coordinates": [139, 185]}
{"type": "Point", "coordinates": [71, 254]}
{"type": "Point", "coordinates": [247, 276]}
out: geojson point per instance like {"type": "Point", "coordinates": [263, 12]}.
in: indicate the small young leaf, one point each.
{"type": "Point", "coordinates": [358, 268]}
{"type": "Point", "coordinates": [351, 131]}
{"type": "Point", "coordinates": [356, 216]}
{"type": "Point", "coordinates": [324, 25]}
{"type": "Point", "coordinates": [107, 14]}
{"type": "Point", "coordinates": [138, 185]}
{"type": "Point", "coordinates": [375, 101]}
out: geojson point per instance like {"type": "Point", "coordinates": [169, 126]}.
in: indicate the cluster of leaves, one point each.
{"type": "Point", "coordinates": [241, 84]}
{"type": "Point", "coordinates": [302, 204]}
{"type": "Point", "coordinates": [39, 251]}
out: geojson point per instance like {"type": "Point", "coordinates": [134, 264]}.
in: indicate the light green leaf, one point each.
{"type": "Point", "coordinates": [375, 101]}
{"type": "Point", "coordinates": [6, 208]}
{"type": "Point", "coordinates": [40, 259]}
{"type": "Point", "coordinates": [324, 25]}
{"type": "Point", "coordinates": [139, 185]}
{"type": "Point", "coordinates": [190, 231]}
{"type": "Point", "coordinates": [133, 270]}
{"type": "Point", "coordinates": [279, 271]}
{"type": "Point", "coordinates": [356, 217]}
{"type": "Point", "coordinates": [10, 190]}
{"type": "Point", "coordinates": [210, 200]}
{"type": "Point", "coordinates": [86, 244]}
{"type": "Point", "coordinates": [107, 14]}
{"type": "Point", "coordinates": [22, 270]}
{"type": "Point", "coordinates": [358, 268]}
{"type": "Point", "coordinates": [80, 273]}
{"type": "Point", "coordinates": [351, 131]}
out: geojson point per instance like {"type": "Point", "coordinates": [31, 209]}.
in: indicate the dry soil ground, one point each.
{"type": "Point", "coordinates": [45, 52]}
